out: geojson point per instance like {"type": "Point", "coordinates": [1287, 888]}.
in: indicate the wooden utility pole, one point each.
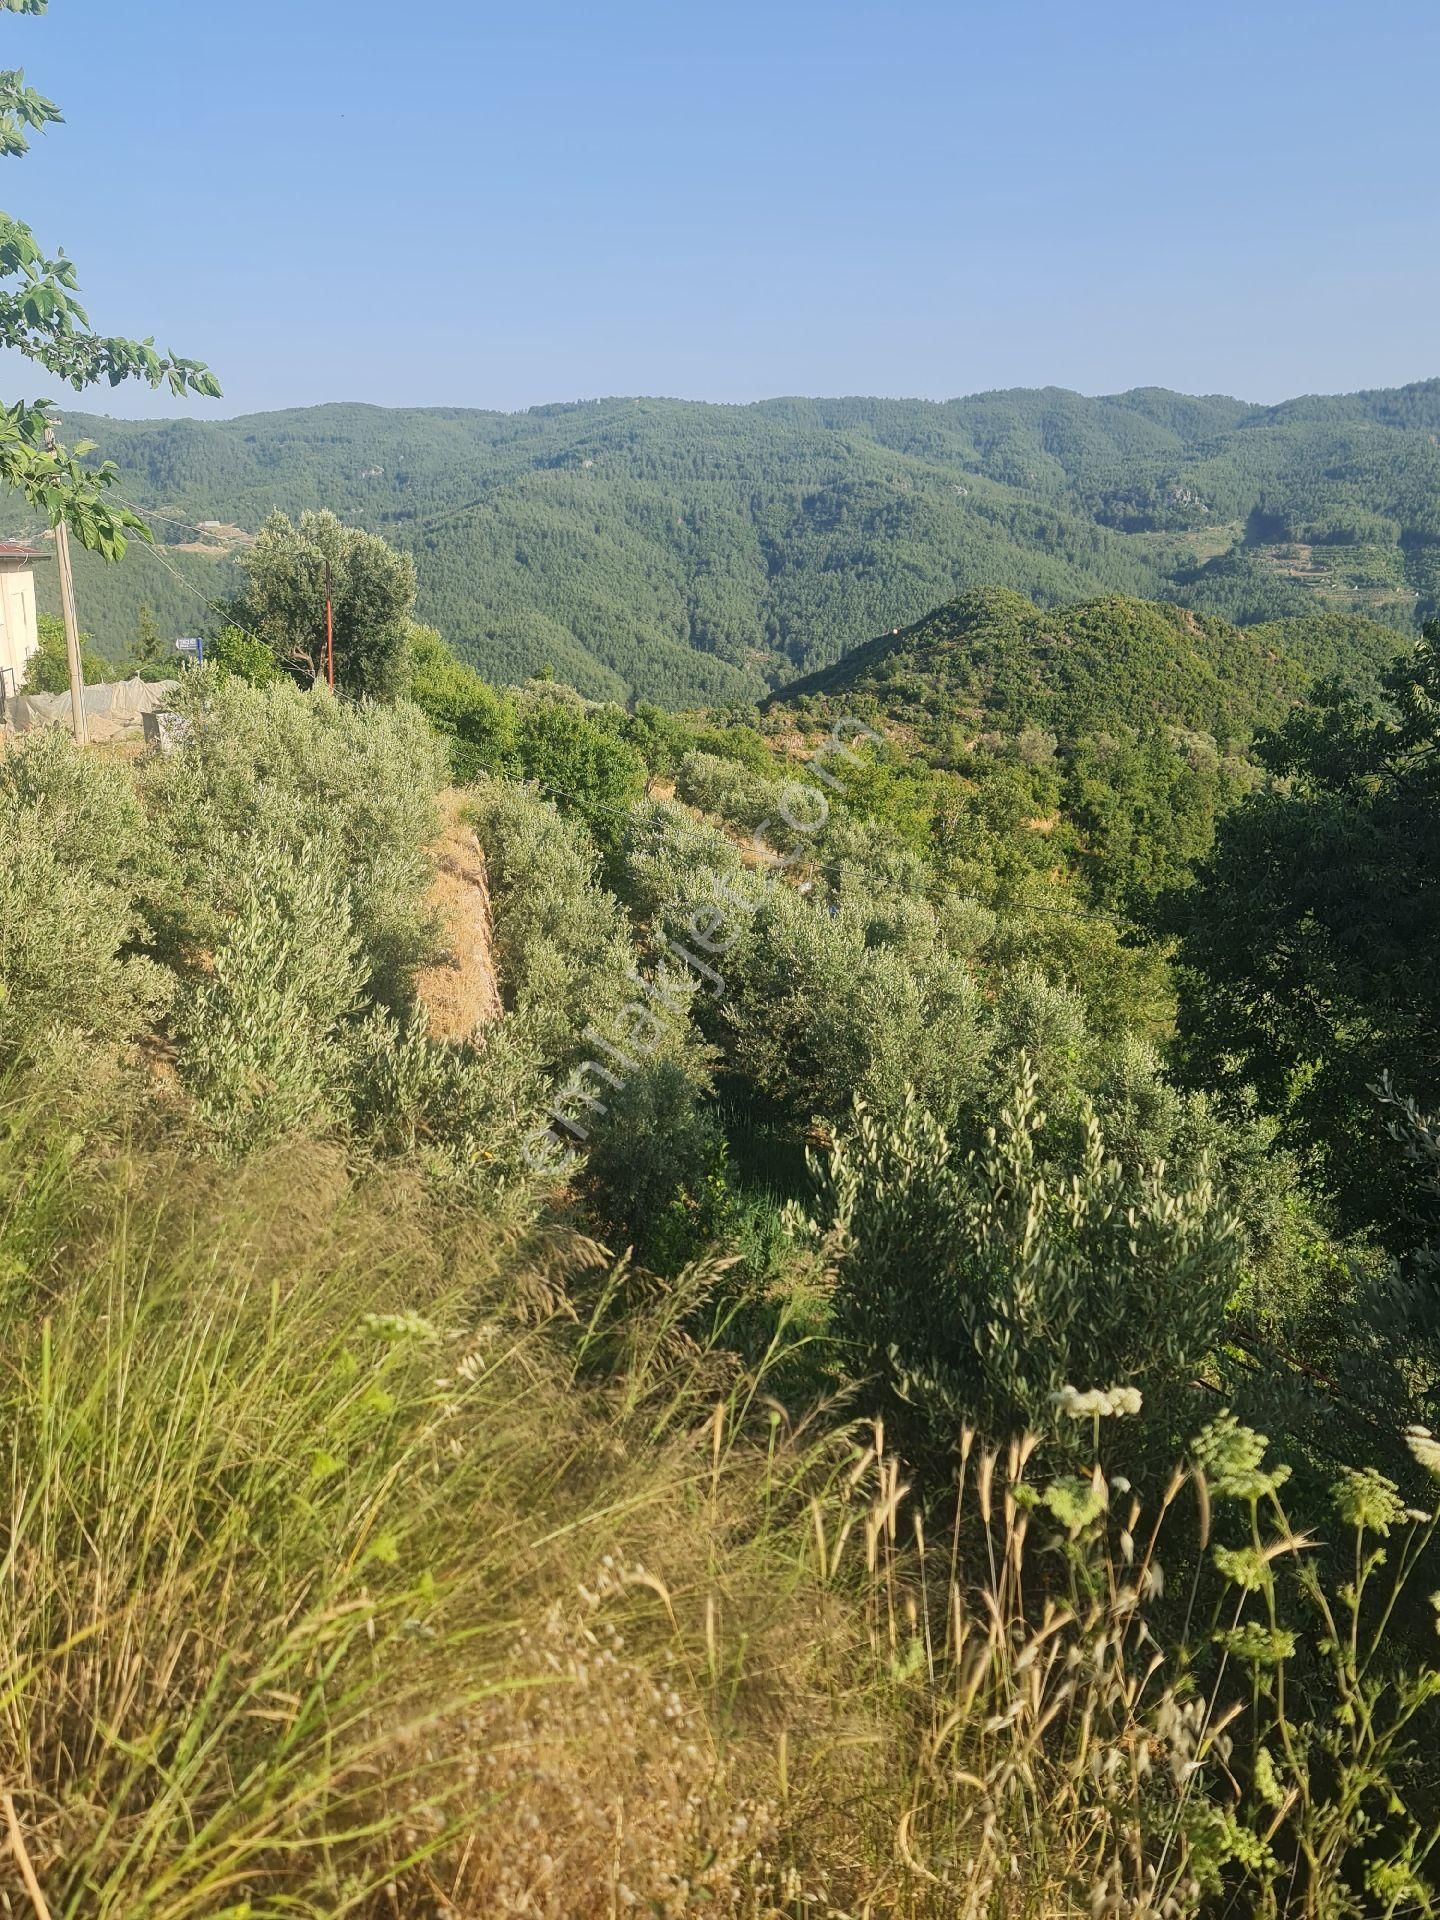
{"type": "Point", "coordinates": [329, 628]}
{"type": "Point", "coordinates": [80, 726]}
{"type": "Point", "coordinates": [78, 721]}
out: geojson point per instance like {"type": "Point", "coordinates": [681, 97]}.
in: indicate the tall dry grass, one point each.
{"type": "Point", "coordinates": [361, 1557]}
{"type": "Point", "coordinates": [340, 1571]}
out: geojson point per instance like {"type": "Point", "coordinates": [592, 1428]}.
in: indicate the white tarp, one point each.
{"type": "Point", "coordinates": [114, 709]}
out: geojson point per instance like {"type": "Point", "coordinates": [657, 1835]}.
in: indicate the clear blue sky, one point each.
{"type": "Point", "coordinates": [461, 203]}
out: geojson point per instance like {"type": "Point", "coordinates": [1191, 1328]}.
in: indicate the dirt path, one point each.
{"type": "Point", "coordinates": [460, 992]}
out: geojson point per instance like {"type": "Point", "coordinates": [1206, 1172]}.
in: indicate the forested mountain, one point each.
{"type": "Point", "coordinates": [696, 553]}
{"type": "Point", "coordinates": [992, 660]}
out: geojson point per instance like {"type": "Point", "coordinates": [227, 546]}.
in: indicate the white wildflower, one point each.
{"type": "Point", "coordinates": [1100, 1403]}
{"type": "Point", "coordinates": [1425, 1447]}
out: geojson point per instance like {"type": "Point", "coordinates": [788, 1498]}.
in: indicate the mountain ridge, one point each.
{"type": "Point", "coordinates": [697, 552]}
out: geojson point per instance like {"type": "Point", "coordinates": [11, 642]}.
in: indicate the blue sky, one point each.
{"type": "Point", "coordinates": [465, 204]}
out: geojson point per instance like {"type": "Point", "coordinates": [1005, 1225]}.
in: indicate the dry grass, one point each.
{"type": "Point", "coordinates": [349, 1563]}
{"type": "Point", "coordinates": [335, 1577]}
{"type": "Point", "coordinates": [459, 991]}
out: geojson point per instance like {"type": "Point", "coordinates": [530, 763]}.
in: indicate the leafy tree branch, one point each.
{"type": "Point", "coordinates": [41, 317]}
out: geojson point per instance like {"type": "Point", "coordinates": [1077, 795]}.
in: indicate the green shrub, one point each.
{"type": "Point", "coordinates": [48, 669]}
{"type": "Point", "coordinates": [266, 1039]}
{"type": "Point", "coordinates": [562, 946]}
{"type": "Point", "coordinates": [668, 864]}
{"type": "Point", "coordinates": [301, 769]}
{"type": "Point", "coordinates": [981, 1285]}
{"type": "Point", "coordinates": [778, 814]}
{"type": "Point", "coordinates": [241, 657]}
{"type": "Point", "coordinates": [477, 722]}
{"type": "Point", "coordinates": [655, 1166]}
{"type": "Point", "coordinates": [575, 762]}
{"type": "Point", "coordinates": [861, 1001]}
{"type": "Point", "coordinates": [661, 739]}
{"type": "Point", "coordinates": [743, 798]}
{"type": "Point", "coordinates": [72, 853]}
{"type": "Point", "coordinates": [463, 1111]}
{"type": "Point", "coordinates": [861, 856]}
{"type": "Point", "coordinates": [544, 733]}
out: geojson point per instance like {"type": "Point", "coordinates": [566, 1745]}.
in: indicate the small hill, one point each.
{"type": "Point", "coordinates": [992, 659]}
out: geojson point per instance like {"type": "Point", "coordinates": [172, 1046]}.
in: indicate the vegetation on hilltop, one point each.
{"type": "Point", "coordinates": [692, 554]}
{"type": "Point", "coordinates": [991, 660]}
{"type": "Point", "coordinates": [1306, 943]}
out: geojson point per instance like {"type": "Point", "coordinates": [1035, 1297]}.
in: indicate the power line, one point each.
{"type": "Point", "coordinates": [157, 552]}
{"type": "Point", "coordinates": [215, 606]}
{"type": "Point", "coordinates": [147, 514]}
{"type": "Point", "coordinates": [154, 513]}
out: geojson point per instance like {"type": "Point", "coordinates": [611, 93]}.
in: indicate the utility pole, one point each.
{"type": "Point", "coordinates": [329, 629]}
{"type": "Point", "coordinates": [80, 726]}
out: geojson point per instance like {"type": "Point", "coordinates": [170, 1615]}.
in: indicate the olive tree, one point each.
{"type": "Point", "coordinates": [981, 1285]}
{"type": "Point", "coordinates": [292, 570]}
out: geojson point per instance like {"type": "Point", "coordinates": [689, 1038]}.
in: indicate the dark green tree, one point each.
{"type": "Point", "coordinates": [41, 318]}
{"type": "Point", "coordinates": [290, 571]}
{"type": "Point", "coordinates": [478, 722]}
{"type": "Point", "coordinates": [1145, 811]}
{"type": "Point", "coordinates": [577, 764]}
{"type": "Point", "coordinates": [1308, 946]}
{"type": "Point", "coordinates": [242, 657]}
{"type": "Point", "coordinates": [48, 671]}
{"type": "Point", "coordinates": [149, 647]}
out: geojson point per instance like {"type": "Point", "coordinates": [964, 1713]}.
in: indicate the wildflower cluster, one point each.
{"type": "Point", "coordinates": [1231, 1458]}
{"type": "Point", "coordinates": [1105, 1403]}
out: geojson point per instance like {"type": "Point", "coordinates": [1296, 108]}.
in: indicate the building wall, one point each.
{"type": "Point", "coordinates": [19, 634]}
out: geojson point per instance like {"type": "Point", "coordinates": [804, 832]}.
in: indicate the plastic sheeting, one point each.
{"type": "Point", "coordinates": [114, 709]}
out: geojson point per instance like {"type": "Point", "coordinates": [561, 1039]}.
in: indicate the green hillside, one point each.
{"type": "Point", "coordinates": [495, 1429]}
{"type": "Point", "coordinates": [694, 553]}
{"type": "Point", "coordinates": [993, 660]}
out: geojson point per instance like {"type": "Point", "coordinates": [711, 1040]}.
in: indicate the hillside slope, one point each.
{"type": "Point", "coordinates": [992, 659]}
{"type": "Point", "coordinates": [697, 553]}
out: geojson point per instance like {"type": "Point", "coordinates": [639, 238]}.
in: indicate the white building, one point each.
{"type": "Point", "coordinates": [19, 633]}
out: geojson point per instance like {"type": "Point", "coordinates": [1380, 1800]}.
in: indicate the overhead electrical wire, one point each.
{"type": "Point", "coordinates": [156, 550]}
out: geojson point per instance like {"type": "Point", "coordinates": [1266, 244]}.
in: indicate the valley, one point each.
{"type": "Point", "coordinates": [692, 554]}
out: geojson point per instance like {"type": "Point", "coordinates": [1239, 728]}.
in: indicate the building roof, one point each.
{"type": "Point", "coordinates": [17, 550]}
